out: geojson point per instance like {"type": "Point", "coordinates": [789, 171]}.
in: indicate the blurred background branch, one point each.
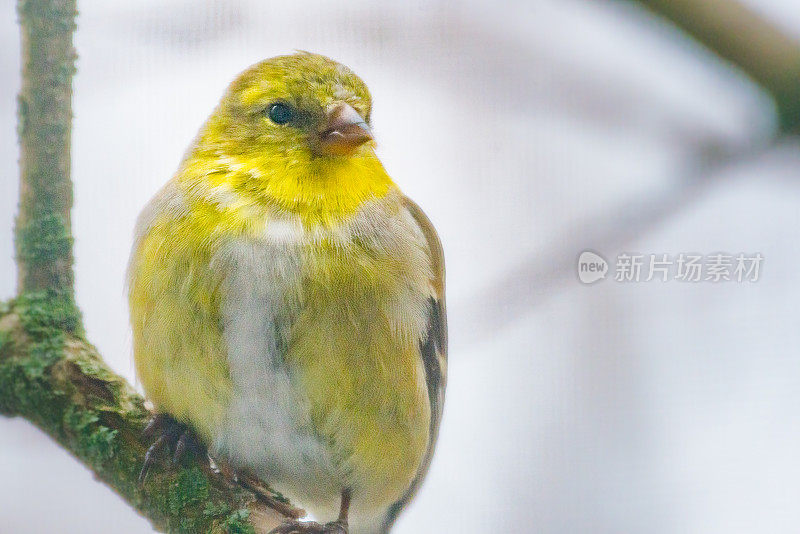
{"type": "Point", "coordinates": [739, 36]}
{"type": "Point", "coordinates": [742, 37]}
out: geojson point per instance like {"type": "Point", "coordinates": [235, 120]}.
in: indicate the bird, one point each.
{"type": "Point", "coordinates": [287, 301]}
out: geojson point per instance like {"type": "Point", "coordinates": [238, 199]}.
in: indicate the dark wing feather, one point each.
{"type": "Point", "coordinates": [433, 349]}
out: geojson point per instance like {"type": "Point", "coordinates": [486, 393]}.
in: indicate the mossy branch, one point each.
{"type": "Point", "coordinates": [43, 229]}
{"type": "Point", "coordinates": [738, 35]}
{"type": "Point", "coordinates": [53, 378]}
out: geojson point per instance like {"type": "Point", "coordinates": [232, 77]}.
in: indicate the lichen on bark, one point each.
{"type": "Point", "coordinates": [43, 229]}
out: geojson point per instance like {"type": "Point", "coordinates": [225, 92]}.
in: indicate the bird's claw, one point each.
{"type": "Point", "coordinates": [173, 436]}
{"type": "Point", "coordinates": [310, 527]}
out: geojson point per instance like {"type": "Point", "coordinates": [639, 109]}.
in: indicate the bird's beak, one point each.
{"type": "Point", "coordinates": [343, 131]}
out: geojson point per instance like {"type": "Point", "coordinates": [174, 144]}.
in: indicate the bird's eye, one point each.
{"type": "Point", "coordinates": [280, 113]}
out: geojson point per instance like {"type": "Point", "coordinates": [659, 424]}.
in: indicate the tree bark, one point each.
{"type": "Point", "coordinates": [43, 230]}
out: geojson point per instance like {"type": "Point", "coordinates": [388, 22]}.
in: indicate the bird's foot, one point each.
{"type": "Point", "coordinates": [265, 494]}
{"type": "Point", "coordinates": [310, 527]}
{"type": "Point", "coordinates": [172, 436]}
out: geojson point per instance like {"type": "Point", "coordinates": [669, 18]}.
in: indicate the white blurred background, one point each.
{"type": "Point", "coordinates": [529, 131]}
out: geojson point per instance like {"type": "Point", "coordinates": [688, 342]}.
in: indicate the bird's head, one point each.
{"type": "Point", "coordinates": [293, 130]}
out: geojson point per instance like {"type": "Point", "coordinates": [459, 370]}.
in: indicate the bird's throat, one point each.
{"type": "Point", "coordinates": [321, 191]}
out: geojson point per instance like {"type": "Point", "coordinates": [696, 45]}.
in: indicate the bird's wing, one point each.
{"type": "Point", "coordinates": [433, 349]}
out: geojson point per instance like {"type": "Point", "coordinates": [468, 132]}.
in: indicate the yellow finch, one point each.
{"type": "Point", "coordinates": [287, 300]}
